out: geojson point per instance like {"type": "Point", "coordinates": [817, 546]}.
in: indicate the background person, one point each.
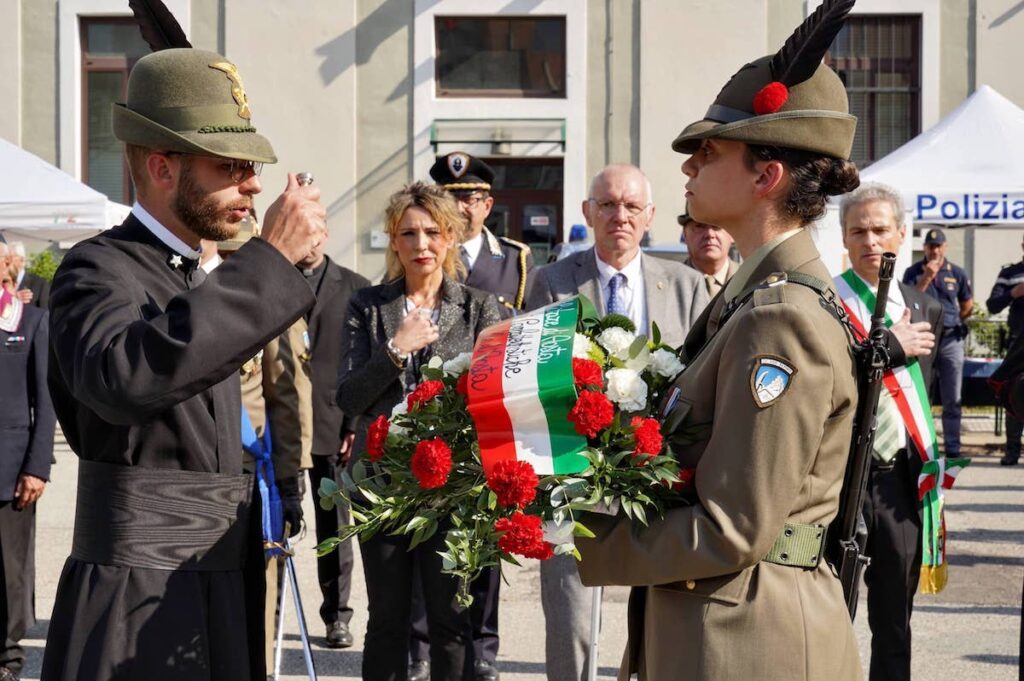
{"type": "Point", "coordinates": [1008, 291]}
{"type": "Point", "coordinates": [708, 252]}
{"type": "Point", "coordinates": [949, 285]}
{"type": "Point", "coordinates": [27, 424]}
{"type": "Point", "coordinates": [31, 287]}
{"type": "Point", "coordinates": [764, 411]}
{"type": "Point", "coordinates": [617, 277]}
{"type": "Point", "coordinates": [391, 331]}
{"type": "Point", "coordinates": [872, 224]}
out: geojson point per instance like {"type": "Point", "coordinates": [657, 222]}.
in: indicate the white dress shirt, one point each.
{"type": "Point", "coordinates": [632, 294]}
{"type": "Point", "coordinates": [164, 234]}
{"type": "Point", "coordinates": [473, 247]}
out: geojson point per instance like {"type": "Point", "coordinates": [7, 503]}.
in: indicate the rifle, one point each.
{"type": "Point", "coordinates": [848, 534]}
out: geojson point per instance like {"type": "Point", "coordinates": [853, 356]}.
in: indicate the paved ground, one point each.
{"type": "Point", "coordinates": [970, 631]}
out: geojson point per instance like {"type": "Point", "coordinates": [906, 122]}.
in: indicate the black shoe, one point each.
{"type": "Point", "coordinates": [485, 671]}
{"type": "Point", "coordinates": [338, 636]}
{"type": "Point", "coordinates": [8, 674]}
{"type": "Point", "coordinates": [419, 670]}
{"type": "Point", "coordinates": [1009, 460]}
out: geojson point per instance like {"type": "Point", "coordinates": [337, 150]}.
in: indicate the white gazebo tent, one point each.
{"type": "Point", "coordinates": [967, 169]}
{"type": "Point", "coordinates": [41, 203]}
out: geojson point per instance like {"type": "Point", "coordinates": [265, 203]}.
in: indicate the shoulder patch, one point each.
{"type": "Point", "coordinates": [769, 379]}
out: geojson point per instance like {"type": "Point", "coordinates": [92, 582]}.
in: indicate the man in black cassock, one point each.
{"type": "Point", "coordinates": [165, 577]}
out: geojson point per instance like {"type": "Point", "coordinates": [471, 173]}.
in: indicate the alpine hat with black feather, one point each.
{"type": "Point", "coordinates": [186, 100]}
{"type": "Point", "coordinates": [789, 99]}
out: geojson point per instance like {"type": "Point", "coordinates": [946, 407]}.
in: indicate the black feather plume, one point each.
{"type": "Point", "coordinates": [800, 56]}
{"type": "Point", "coordinates": [159, 27]}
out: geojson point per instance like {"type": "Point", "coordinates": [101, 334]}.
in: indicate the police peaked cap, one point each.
{"type": "Point", "coordinates": [789, 99]}
{"type": "Point", "coordinates": [934, 237]}
{"type": "Point", "coordinates": [460, 172]}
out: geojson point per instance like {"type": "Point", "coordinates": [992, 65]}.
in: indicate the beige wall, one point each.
{"type": "Point", "coordinates": [1000, 47]}
{"type": "Point", "coordinates": [39, 84]}
{"type": "Point", "coordinates": [10, 71]}
{"type": "Point", "coordinates": [207, 31]}
{"type": "Point", "coordinates": [298, 72]}
{"type": "Point", "coordinates": [686, 58]}
{"type": "Point", "coordinates": [955, 62]}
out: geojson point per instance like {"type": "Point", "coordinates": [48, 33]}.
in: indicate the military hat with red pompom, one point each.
{"type": "Point", "coordinates": [789, 99]}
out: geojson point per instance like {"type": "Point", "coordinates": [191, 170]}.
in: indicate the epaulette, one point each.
{"type": "Point", "coordinates": [514, 244]}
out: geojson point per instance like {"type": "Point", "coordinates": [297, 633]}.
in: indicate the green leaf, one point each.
{"type": "Point", "coordinates": [655, 334]}
{"type": "Point", "coordinates": [326, 546]}
{"type": "Point", "coordinates": [447, 562]}
{"type": "Point", "coordinates": [327, 503]}
{"type": "Point", "coordinates": [581, 530]}
{"type": "Point", "coordinates": [637, 346]}
{"type": "Point", "coordinates": [327, 487]}
{"type": "Point", "coordinates": [370, 496]}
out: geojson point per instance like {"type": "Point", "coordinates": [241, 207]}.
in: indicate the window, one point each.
{"type": "Point", "coordinates": [879, 60]}
{"type": "Point", "coordinates": [528, 201]}
{"type": "Point", "coordinates": [500, 57]}
{"type": "Point", "coordinates": [110, 47]}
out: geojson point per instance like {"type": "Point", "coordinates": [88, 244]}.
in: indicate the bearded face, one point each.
{"type": "Point", "coordinates": [206, 214]}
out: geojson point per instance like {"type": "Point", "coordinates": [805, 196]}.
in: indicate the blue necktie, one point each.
{"type": "Point", "coordinates": [614, 302]}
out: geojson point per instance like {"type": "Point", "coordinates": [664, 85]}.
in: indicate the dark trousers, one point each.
{"type": "Point", "coordinates": [483, 615]}
{"type": "Point", "coordinates": [949, 370]}
{"type": "Point", "coordinates": [18, 568]}
{"type": "Point", "coordinates": [894, 545]}
{"type": "Point", "coordinates": [388, 565]}
{"type": "Point", "coordinates": [1014, 430]}
{"type": "Point", "coordinates": [334, 571]}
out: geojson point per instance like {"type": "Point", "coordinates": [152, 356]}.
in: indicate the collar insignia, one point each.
{"type": "Point", "coordinates": [237, 89]}
{"type": "Point", "coordinates": [458, 163]}
{"type": "Point", "coordinates": [175, 261]}
{"type": "Point", "coordinates": [770, 379]}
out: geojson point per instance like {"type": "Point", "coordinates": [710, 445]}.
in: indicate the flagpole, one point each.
{"type": "Point", "coordinates": [595, 631]}
{"type": "Point", "coordinates": [278, 647]}
{"type": "Point", "coordinates": [307, 652]}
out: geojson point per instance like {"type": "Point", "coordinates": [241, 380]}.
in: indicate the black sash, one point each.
{"type": "Point", "coordinates": [161, 519]}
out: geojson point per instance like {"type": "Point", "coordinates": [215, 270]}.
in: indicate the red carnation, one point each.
{"type": "Point", "coordinates": [431, 463]}
{"type": "Point", "coordinates": [462, 385]}
{"type": "Point", "coordinates": [592, 413]}
{"type": "Point", "coordinates": [514, 482]}
{"type": "Point", "coordinates": [523, 536]}
{"type": "Point", "coordinates": [647, 435]}
{"type": "Point", "coordinates": [424, 392]}
{"type": "Point", "coordinates": [586, 373]}
{"type": "Point", "coordinates": [376, 436]}
{"type": "Point", "coordinates": [685, 479]}
{"type": "Point", "coordinates": [770, 98]}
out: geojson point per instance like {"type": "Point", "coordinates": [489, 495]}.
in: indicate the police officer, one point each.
{"type": "Point", "coordinates": [1009, 292]}
{"type": "Point", "coordinates": [950, 285]}
{"type": "Point", "coordinates": [732, 585]}
{"type": "Point", "coordinates": [495, 264]}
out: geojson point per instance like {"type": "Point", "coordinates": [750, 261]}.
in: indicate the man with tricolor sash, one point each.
{"type": "Point", "coordinates": [903, 500]}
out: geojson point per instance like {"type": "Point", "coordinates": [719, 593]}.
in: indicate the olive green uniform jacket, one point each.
{"type": "Point", "coordinates": [711, 608]}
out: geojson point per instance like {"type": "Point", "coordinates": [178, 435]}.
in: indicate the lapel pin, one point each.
{"type": "Point", "coordinates": [175, 260]}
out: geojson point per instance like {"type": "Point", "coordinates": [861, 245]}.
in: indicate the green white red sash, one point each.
{"type": "Point", "coordinates": [908, 390]}
{"type": "Point", "coordinates": [521, 390]}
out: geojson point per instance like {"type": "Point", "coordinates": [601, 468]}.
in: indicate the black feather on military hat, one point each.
{"type": "Point", "coordinates": [934, 237]}
{"type": "Point", "coordinates": [460, 172]}
{"type": "Point", "coordinates": [183, 99]}
{"type": "Point", "coordinates": [789, 99]}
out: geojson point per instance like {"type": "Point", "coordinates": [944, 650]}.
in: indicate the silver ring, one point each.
{"type": "Point", "coordinates": [304, 179]}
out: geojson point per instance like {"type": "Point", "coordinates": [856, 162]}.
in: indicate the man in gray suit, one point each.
{"type": "Point", "coordinates": [617, 277]}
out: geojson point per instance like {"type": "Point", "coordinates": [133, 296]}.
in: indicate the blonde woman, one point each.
{"type": "Point", "coordinates": [391, 330]}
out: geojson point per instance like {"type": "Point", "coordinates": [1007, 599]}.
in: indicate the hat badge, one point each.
{"type": "Point", "coordinates": [932, 234]}
{"type": "Point", "coordinates": [237, 89]}
{"type": "Point", "coordinates": [458, 164]}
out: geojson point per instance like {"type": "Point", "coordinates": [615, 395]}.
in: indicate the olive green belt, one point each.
{"type": "Point", "coordinates": [798, 546]}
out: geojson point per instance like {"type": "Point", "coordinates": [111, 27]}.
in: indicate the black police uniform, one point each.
{"type": "Point", "coordinates": [1010, 276]}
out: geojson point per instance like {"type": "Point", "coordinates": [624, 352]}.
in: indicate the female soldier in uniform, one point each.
{"type": "Point", "coordinates": [735, 584]}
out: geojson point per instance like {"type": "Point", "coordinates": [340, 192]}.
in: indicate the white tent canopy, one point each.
{"type": "Point", "coordinates": [967, 169]}
{"type": "Point", "coordinates": [41, 202]}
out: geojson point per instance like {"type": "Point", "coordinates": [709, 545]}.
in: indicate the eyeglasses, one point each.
{"type": "Point", "coordinates": [471, 200]}
{"type": "Point", "coordinates": [236, 169]}
{"type": "Point", "coordinates": [609, 208]}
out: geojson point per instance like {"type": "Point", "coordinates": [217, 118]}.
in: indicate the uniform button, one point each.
{"type": "Point", "coordinates": [690, 584]}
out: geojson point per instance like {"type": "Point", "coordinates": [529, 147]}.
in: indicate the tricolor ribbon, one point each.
{"type": "Point", "coordinates": [907, 387]}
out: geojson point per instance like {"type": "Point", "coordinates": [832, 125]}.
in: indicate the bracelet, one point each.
{"type": "Point", "coordinates": [397, 356]}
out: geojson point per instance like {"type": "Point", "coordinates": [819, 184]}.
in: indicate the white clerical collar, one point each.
{"type": "Point", "coordinates": [164, 234]}
{"type": "Point", "coordinates": [632, 270]}
{"type": "Point", "coordinates": [211, 264]}
{"type": "Point", "coordinates": [473, 247]}
{"type": "Point", "coordinates": [895, 294]}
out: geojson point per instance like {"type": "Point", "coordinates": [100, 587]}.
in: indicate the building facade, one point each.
{"type": "Point", "coordinates": [365, 93]}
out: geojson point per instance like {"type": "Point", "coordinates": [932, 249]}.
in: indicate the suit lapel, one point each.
{"type": "Point", "coordinates": [328, 289]}
{"type": "Point", "coordinates": [452, 303]}
{"type": "Point", "coordinates": [656, 287]}
{"type": "Point", "coordinates": [587, 279]}
{"type": "Point", "coordinates": [392, 306]}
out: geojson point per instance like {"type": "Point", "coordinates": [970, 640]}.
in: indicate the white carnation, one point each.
{"type": "Point", "coordinates": [626, 389]}
{"type": "Point", "coordinates": [400, 409]}
{"type": "Point", "coordinates": [641, 361]}
{"type": "Point", "coordinates": [616, 341]}
{"type": "Point", "coordinates": [581, 346]}
{"type": "Point", "coordinates": [458, 365]}
{"type": "Point", "coordinates": [666, 363]}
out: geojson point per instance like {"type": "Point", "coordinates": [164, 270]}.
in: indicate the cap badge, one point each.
{"type": "Point", "coordinates": [932, 234]}
{"type": "Point", "coordinates": [237, 89]}
{"type": "Point", "coordinates": [458, 164]}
